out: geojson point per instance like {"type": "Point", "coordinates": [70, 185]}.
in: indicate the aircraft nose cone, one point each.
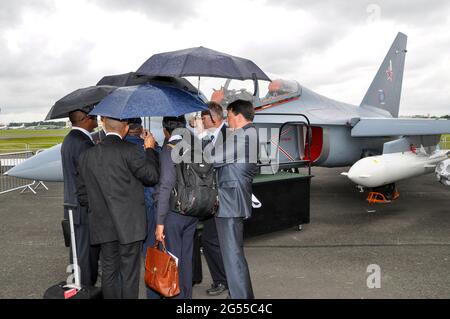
{"type": "Point", "coordinates": [45, 166]}
{"type": "Point", "coordinates": [356, 174]}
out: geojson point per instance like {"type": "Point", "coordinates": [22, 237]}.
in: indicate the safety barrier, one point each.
{"type": "Point", "coordinates": [9, 183]}
{"type": "Point", "coordinates": [445, 142]}
{"type": "Point", "coordinates": [25, 147]}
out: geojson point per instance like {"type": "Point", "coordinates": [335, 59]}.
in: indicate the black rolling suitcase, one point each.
{"type": "Point", "coordinates": [60, 291]}
{"type": "Point", "coordinates": [64, 290]}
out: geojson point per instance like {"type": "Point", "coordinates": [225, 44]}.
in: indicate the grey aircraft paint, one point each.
{"type": "Point", "coordinates": [350, 132]}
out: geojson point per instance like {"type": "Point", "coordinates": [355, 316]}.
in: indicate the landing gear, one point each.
{"type": "Point", "coordinates": [383, 194]}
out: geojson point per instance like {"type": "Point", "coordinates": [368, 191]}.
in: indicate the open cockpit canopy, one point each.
{"type": "Point", "coordinates": [276, 91]}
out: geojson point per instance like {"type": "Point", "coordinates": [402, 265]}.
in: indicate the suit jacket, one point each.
{"type": "Point", "coordinates": [148, 191]}
{"type": "Point", "coordinates": [111, 180]}
{"type": "Point", "coordinates": [75, 143]}
{"type": "Point", "coordinates": [220, 138]}
{"type": "Point", "coordinates": [216, 149]}
{"type": "Point", "coordinates": [167, 182]}
{"type": "Point", "coordinates": [98, 136]}
{"type": "Point", "coordinates": [235, 172]}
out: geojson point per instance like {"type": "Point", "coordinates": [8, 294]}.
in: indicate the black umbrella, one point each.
{"type": "Point", "coordinates": [201, 61]}
{"type": "Point", "coordinates": [125, 79]}
{"type": "Point", "coordinates": [132, 79]}
{"type": "Point", "coordinates": [79, 99]}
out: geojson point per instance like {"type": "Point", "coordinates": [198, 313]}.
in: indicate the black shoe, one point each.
{"type": "Point", "coordinates": [216, 289]}
{"type": "Point", "coordinates": [196, 282]}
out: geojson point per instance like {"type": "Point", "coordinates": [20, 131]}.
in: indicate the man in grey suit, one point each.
{"type": "Point", "coordinates": [235, 172]}
{"type": "Point", "coordinates": [111, 181]}
{"type": "Point", "coordinates": [76, 142]}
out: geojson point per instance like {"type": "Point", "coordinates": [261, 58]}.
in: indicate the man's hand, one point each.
{"type": "Point", "coordinates": [149, 140]}
{"type": "Point", "coordinates": [159, 232]}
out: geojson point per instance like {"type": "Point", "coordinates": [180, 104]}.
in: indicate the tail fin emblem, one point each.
{"type": "Point", "coordinates": [390, 72]}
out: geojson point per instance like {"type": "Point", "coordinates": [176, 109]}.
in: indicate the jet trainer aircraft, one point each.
{"type": "Point", "coordinates": [380, 147]}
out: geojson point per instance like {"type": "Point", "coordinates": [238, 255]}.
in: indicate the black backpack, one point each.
{"type": "Point", "coordinates": [195, 193]}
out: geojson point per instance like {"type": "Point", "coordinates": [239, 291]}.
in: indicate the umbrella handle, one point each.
{"type": "Point", "coordinates": [256, 85]}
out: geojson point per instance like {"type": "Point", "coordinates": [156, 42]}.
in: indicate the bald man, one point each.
{"type": "Point", "coordinates": [112, 179]}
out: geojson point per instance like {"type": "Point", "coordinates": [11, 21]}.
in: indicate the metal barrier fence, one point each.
{"type": "Point", "coordinates": [445, 142]}
{"type": "Point", "coordinates": [21, 147]}
{"type": "Point", "coordinates": [9, 183]}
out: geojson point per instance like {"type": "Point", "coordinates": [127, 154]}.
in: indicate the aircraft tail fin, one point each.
{"type": "Point", "coordinates": [386, 87]}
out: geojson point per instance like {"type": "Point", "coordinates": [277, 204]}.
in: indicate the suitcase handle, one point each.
{"type": "Point", "coordinates": [70, 205]}
{"type": "Point", "coordinates": [156, 245]}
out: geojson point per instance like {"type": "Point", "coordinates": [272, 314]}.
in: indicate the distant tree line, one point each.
{"type": "Point", "coordinates": [41, 123]}
{"type": "Point", "coordinates": [428, 116]}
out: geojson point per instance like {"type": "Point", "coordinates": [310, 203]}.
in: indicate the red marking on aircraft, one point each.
{"type": "Point", "coordinates": [286, 153]}
{"type": "Point", "coordinates": [263, 107]}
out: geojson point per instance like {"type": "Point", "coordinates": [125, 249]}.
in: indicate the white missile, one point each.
{"type": "Point", "coordinates": [443, 172]}
{"type": "Point", "coordinates": [374, 171]}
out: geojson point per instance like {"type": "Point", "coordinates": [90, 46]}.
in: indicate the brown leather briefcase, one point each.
{"type": "Point", "coordinates": [161, 272]}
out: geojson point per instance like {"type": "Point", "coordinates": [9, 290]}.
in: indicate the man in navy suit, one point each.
{"type": "Point", "coordinates": [76, 142]}
{"type": "Point", "coordinates": [134, 136]}
{"type": "Point", "coordinates": [175, 228]}
{"type": "Point", "coordinates": [213, 122]}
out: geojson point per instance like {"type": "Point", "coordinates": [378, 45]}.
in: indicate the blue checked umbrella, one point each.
{"type": "Point", "coordinates": [148, 100]}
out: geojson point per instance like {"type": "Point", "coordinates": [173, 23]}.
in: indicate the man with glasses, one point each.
{"type": "Point", "coordinates": [76, 142]}
{"type": "Point", "coordinates": [214, 124]}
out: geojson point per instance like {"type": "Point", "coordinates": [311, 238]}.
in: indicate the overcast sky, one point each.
{"type": "Point", "coordinates": [49, 48]}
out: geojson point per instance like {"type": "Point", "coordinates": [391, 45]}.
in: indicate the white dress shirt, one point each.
{"type": "Point", "coordinates": [114, 133]}
{"type": "Point", "coordinates": [216, 133]}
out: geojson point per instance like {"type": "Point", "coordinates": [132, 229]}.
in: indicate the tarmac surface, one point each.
{"type": "Point", "coordinates": [409, 240]}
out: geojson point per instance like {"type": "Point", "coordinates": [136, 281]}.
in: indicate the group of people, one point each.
{"type": "Point", "coordinates": [122, 182]}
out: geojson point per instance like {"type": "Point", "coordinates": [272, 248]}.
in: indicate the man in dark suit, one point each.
{"type": "Point", "coordinates": [214, 124]}
{"type": "Point", "coordinates": [111, 181]}
{"type": "Point", "coordinates": [235, 174]}
{"type": "Point", "coordinates": [76, 142]}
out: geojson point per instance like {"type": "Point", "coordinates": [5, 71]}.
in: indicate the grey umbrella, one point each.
{"type": "Point", "coordinates": [79, 99]}
{"type": "Point", "coordinates": [201, 61]}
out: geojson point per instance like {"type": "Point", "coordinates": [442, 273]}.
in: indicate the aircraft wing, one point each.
{"type": "Point", "coordinates": [370, 127]}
